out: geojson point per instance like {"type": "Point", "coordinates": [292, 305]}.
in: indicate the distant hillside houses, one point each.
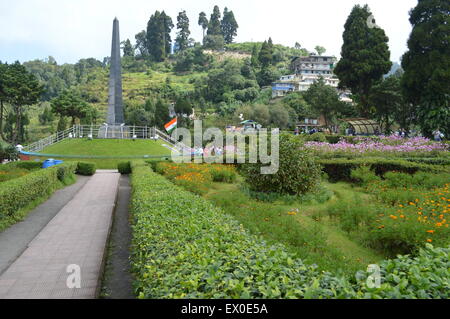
{"type": "Point", "coordinates": [307, 70]}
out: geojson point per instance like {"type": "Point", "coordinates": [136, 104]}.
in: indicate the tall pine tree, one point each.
{"type": "Point", "coordinates": [158, 36]}
{"type": "Point", "coordinates": [266, 53]}
{"type": "Point", "coordinates": [203, 22]}
{"type": "Point", "coordinates": [214, 38]}
{"type": "Point", "coordinates": [128, 49]}
{"type": "Point", "coordinates": [229, 26]}
{"type": "Point", "coordinates": [426, 81]}
{"type": "Point", "coordinates": [214, 26]}
{"type": "Point", "coordinates": [182, 39]}
{"type": "Point", "coordinates": [365, 56]}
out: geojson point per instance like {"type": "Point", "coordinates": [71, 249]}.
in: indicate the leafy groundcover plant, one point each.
{"type": "Point", "coordinates": [184, 247]}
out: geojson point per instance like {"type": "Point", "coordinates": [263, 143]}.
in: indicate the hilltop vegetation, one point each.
{"type": "Point", "coordinates": [222, 81]}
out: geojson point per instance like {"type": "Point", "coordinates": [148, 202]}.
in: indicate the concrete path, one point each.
{"type": "Point", "coordinates": [15, 239]}
{"type": "Point", "coordinates": [69, 250]}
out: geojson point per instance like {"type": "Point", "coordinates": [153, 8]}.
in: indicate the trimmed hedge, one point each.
{"type": "Point", "coordinates": [20, 192]}
{"type": "Point", "coordinates": [86, 169]}
{"type": "Point", "coordinates": [430, 160]}
{"type": "Point", "coordinates": [29, 165]}
{"type": "Point", "coordinates": [184, 247]}
{"type": "Point", "coordinates": [340, 169]}
{"type": "Point", "coordinates": [124, 168]}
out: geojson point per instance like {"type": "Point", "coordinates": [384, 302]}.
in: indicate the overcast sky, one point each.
{"type": "Point", "coordinates": [72, 29]}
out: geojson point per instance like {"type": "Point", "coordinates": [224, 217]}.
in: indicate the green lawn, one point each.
{"type": "Point", "coordinates": [115, 150]}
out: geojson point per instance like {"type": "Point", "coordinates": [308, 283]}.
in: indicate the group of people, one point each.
{"type": "Point", "coordinates": [213, 151]}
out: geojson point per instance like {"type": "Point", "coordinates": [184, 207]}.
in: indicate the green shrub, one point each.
{"type": "Point", "coordinates": [298, 171]}
{"type": "Point", "coordinates": [364, 175]}
{"type": "Point", "coordinates": [424, 276]}
{"type": "Point", "coordinates": [86, 169]}
{"type": "Point", "coordinates": [316, 137]}
{"type": "Point", "coordinates": [124, 168]}
{"type": "Point", "coordinates": [8, 152]}
{"type": "Point", "coordinates": [333, 139]}
{"type": "Point", "coordinates": [18, 193]}
{"type": "Point", "coordinates": [183, 247]}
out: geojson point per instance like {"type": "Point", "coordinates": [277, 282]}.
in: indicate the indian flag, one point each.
{"type": "Point", "coordinates": [171, 125]}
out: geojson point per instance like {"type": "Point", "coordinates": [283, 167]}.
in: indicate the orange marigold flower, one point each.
{"type": "Point", "coordinates": [430, 231]}
{"type": "Point", "coordinates": [430, 240]}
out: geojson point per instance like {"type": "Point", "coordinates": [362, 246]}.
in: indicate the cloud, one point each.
{"type": "Point", "coordinates": [70, 30]}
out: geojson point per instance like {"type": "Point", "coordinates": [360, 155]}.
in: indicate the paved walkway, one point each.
{"type": "Point", "coordinates": [15, 239]}
{"type": "Point", "coordinates": [75, 237]}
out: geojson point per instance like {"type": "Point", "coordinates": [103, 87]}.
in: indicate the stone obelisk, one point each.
{"type": "Point", "coordinates": [115, 102]}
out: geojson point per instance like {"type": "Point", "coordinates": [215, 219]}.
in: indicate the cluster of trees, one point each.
{"type": "Point", "coordinates": [420, 95]}
{"type": "Point", "coordinates": [156, 43]}
{"type": "Point", "coordinates": [19, 89]}
{"type": "Point", "coordinates": [25, 85]}
{"type": "Point", "coordinates": [218, 32]}
{"type": "Point", "coordinates": [70, 104]}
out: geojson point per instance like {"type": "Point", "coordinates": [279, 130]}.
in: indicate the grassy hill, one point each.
{"type": "Point", "coordinates": [113, 151]}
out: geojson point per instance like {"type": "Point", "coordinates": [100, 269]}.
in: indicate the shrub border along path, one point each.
{"type": "Point", "coordinates": [184, 247]}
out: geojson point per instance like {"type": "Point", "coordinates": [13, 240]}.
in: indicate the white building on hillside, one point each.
{"type": "Point", "coordinates": [307, 70]}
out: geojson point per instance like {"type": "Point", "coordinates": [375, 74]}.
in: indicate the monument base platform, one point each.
{"type": "Point", "coordinates": [114, 132]}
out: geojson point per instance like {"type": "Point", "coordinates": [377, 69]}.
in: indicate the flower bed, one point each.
{"type": "Point", "coordinates": [196, 177]}
{"type": "Point", "coordinates": [380, 145]}
{"type": "Point", "coordinates": [417, 216]}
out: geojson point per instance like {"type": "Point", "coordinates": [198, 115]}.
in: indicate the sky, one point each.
{"type": "Point", "coordinates": [70, 30]}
